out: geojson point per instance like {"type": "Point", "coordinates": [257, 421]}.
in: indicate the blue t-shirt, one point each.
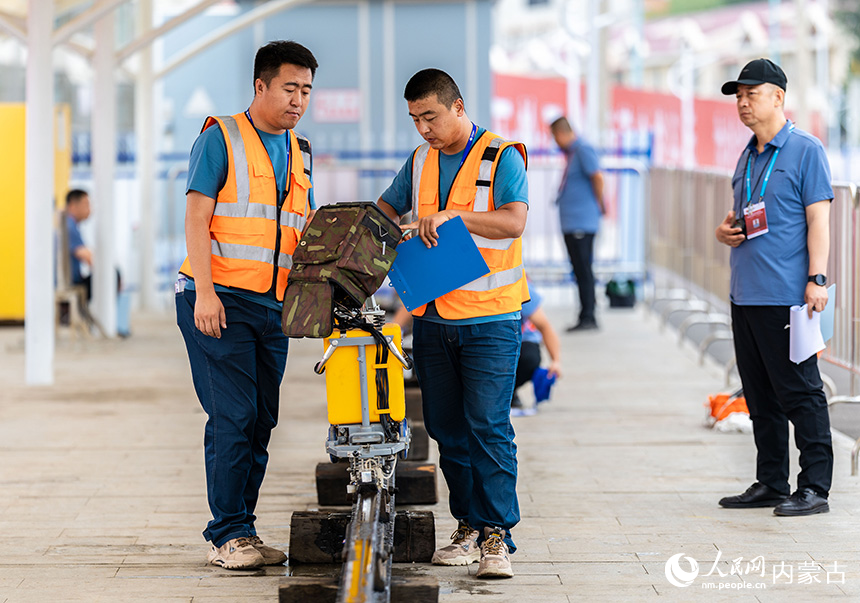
{"type": "Point", "coordinates": [207, 174]}
{"type": "Point", "coordinates": [75, 241]}
{"type": "Point", "coordinates": [509, 184]}
{"type": "Point", "coordinates": [577, 204]}
{"type": "Point", "coordinates": [772, 269]}
{"type": "Point", "coordinates": [530, 332]}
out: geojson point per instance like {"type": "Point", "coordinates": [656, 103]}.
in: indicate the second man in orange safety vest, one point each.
{"type": "Point", "coordinates": [466, 343]}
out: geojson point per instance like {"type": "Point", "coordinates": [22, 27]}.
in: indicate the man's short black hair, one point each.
{"type": "Point", "coordinates": [560, 125]}
{"type": "Point", "coordinates": [432, 81]}
{"type": "Point", "coordinates": [75, 195]}
{"type": "Point", "coordinates": [267, 63]}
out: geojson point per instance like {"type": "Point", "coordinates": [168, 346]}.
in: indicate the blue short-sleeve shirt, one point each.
{"type": "Point", "coordinates": [578, 209]}
{"type": "Point", "coordinates": [207, 174]}
{"type": "Point", "coordinates": [509, 184]}
{"type": "Point", "coordinates": [772, 269]}
{"type": "Point", "coordinates": [530, 332]}
{"type": "Point", "coordinates": [75, 241]}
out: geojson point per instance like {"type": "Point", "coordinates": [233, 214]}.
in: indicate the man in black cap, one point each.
{"type": "Point", "coordinates": [779, 232]}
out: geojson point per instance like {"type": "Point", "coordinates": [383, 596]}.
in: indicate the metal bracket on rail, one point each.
{"type": "Point", "coordinates": [669, 295]}
{"type": "Point", "coordinates": [730, 365]}
{"type": "Point", "coordinates": [711, 339]}
{"type": "Point", "coordinates": [855, 451]}
{"type": "Point", "coordinates": [702, 318]}
{"type": "Point", "coordinates": [686, 305]}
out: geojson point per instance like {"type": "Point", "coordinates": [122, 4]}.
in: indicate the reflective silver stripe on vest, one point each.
{"type": "Point", "coordinates": [486, 243]}
{"type": "Point", "coordinates": [249, 210]}
{"type": "Point", "coordinates": [243, 183]}
{"type": "Point", "coordinates": [485, 172]}
{"type": "Point", "coordinates": [306, 157]}
{"type": "Point", "coordinates": [285, 260]}
{"type": "Point", "coordinates": [243, 252]}
{"type": "Point", "coordinates": [418, 160]}
{"type": "Point", "coordinates": [293, 220]}
{"type": "Point", "coordinates": [495, 280]}
{"type": "Point", "coordinates": [243, 208]}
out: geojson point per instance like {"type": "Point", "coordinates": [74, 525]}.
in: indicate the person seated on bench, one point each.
{"type": "Point", "coordinates": [78, 210]}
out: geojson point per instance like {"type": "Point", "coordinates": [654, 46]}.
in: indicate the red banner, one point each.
{"type": "Point", "coordinates": [523, 106]}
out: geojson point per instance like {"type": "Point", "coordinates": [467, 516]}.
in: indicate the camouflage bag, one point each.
{"type": "Point", "coordinates": [341, 260]}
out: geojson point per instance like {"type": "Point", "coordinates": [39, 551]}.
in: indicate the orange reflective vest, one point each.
{"type": "Point", "coordinates": [249, 251]}
{"type": "Point", "coordinates": [504, 289]}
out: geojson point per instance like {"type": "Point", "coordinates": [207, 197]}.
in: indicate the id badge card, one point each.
{"type": "Point", "coordinates": [755, 218]}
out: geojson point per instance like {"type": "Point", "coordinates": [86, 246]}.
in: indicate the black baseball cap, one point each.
{"type": "Point", "coordinates": [759, 71]}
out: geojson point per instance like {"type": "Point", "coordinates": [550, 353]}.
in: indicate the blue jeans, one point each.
{"type": "Point", "coordinates": [467, 376]}
{"type": "Point", "coordinates": [237, 379]}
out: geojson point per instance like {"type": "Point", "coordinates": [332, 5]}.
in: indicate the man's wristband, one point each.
{"type": "Point", "coordinates": [818, 279]}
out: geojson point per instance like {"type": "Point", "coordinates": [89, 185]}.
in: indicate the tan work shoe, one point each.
{"type": "Point", "coordinates": [495, 560]}
{"type": "Point", "coordinates": [237, 553]}
{"type": "Point", "coordinates": [463, 549]}
{"type": "Point", "coordinates": [271, 556]}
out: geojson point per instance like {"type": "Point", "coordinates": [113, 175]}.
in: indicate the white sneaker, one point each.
{"type": "Point", "coordinates": [237, 553]}
{"type": "Point", "coordinates": [495, 560]}
{"type": "Point", "coordinates": [271, 556]}
{"type": "Point", "coordinates": [463, 549]}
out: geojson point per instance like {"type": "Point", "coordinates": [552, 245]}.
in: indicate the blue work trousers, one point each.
{"type": "Point", "coordinates": [466, 374]}
{"type": "Point", "coordinates": [237, 379]}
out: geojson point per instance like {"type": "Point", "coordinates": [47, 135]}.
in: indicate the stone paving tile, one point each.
{"type": "Point", "coordinates": [231, 597]}
{"type": "Point", "coordinates": [9, 579]}
{"type": "Point", "coordinates": [508, 590]}
{"type": "Point", "coordinates": [103, 473]}
{"type": "Point", "coordinates": [613, 593]}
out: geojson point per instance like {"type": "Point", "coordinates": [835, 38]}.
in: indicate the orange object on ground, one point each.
{"type": "Point", "coordinates": [722, 405]}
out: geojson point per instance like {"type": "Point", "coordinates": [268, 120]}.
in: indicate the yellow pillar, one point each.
{"type": "Point", "coordinates": [12, 209]}
{"type": "Point", "coordinates": [12, 203]}
{"type": "Point", "coordinates": [62, 153]}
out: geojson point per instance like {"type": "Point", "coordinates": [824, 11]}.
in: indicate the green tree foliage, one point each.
{"type": "Point", "coordinates": [676, 7]}
{"type": "Point", "coordinates": [847, 14]}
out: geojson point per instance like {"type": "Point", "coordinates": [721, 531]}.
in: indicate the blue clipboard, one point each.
{"type": "Point", "coordinates": [420, 275]}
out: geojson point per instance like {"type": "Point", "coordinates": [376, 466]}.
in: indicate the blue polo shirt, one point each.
{"type": "Point", "coordinates": [207, 174]}
{"type": "Point", "coordinates": [577, 204]}
{"type": "Point", "coordinates": [772, 269]}
{"type": "Point", "coordinates": [75, 241]}
{"type": "Point", "coordinates": [530, 332]}
{"type": "Point", "coordinates": [509, 184]}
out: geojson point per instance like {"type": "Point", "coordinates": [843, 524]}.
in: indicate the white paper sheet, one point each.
{"type": "Point", "coordinates": [805, 337]}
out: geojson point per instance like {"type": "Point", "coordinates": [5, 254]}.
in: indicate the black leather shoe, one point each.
{"type": "Point", "coordinates": [583, 326]}
{"type": "Point", "coordinates": [805, 501]}
{"type": "Point", "coordinates": [757, 495]}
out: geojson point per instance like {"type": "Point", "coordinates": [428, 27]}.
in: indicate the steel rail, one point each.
{"type": "Point", "coordinates": [369, 545]}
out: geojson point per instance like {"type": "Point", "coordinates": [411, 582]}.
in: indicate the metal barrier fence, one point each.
{"type": "Point", "coordinates": [686, 207]}
{"type": "Point", "coordinates": [842, 269]}
{"type": "Point", "coordinates": [619, 247]}
{"type": "Point", "coordinates": [686, 259]}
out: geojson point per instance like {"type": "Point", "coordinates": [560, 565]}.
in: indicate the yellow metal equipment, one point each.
{"type": "Point", "coordinates": [343, 379]}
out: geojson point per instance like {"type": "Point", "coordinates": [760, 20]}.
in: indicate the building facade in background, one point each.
{"type": "Point", "coordinates": [679, 62]}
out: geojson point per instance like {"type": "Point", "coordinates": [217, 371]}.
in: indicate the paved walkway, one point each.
{"type": "Point", "coordinates": [102, 494]}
